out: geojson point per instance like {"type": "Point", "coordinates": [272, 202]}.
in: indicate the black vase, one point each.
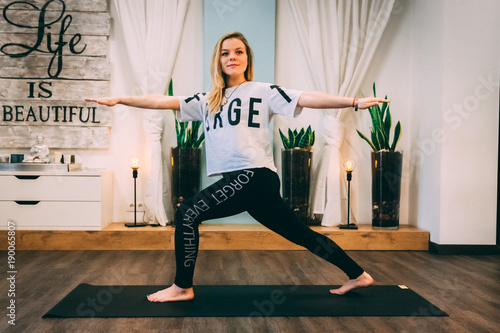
{"type": "Point", "coordinates": [185, 174]}
{"type": "Point", "coordinates": [296, 177]}
{"type": "Point", "coordinates": [386, 188]}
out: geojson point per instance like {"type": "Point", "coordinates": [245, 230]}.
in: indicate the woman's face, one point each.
{"type": "Point", "coordinates": [234, 58]}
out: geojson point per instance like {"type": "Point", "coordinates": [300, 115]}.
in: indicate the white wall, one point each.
{"type": "Point", "coordinates": [426, 63]}
{"type": "Point", "coordinates": [455, 49]}
{"type": "Point", "coordinates": [469, 153]}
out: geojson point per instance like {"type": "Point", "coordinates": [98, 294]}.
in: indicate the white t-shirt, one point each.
{"type": "Point", "coordinates": [238, 137]}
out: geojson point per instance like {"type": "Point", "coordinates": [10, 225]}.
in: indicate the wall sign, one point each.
{"type": "Point", "coordinates": [53, 54]}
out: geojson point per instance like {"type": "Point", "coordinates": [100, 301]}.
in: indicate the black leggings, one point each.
{"type": "Point", "coordinates": [256, 191]}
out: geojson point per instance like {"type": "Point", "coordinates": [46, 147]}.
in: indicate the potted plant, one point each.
{"type": "Point", "coordinates": [185, 161]}
{"type": "Point", "coordinates": [386, 166]}
{"type": "Point", "coordinates": [296, 160]}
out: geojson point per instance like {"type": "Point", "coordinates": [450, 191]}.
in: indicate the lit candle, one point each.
{"type": "Point", "coordinates": [135, 163]}
{"type": "Point", "coordinates": [349, 165]}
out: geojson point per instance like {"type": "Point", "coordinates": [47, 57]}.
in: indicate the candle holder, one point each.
{"type": "Point", "coordinates": [349, 166]}
{"type": "Point", "coordinates": [135, 173]}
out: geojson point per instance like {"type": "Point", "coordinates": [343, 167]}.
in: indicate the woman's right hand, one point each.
{"type": "Point", "coordinates": [108, 101]}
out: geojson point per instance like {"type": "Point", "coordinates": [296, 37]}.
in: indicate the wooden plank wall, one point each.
{"type": "Point", "coordinates": [53, 54]}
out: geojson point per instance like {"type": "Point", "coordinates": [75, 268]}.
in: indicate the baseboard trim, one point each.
{"type": "Point", "coordinates": [463, 249]}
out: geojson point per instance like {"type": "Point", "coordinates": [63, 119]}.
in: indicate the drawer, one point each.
{"type": "Point", "coordinates": [52, 215]}
{"type": "Point", "coordinates": [50, 187]}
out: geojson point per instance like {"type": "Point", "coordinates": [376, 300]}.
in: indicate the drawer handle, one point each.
{"type": "Point", "coordinates": [26, 177]}
{"type": "Point", "coordinates": [26, 203]}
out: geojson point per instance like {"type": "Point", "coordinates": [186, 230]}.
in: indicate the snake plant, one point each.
{"type": "Point", "coordinates": [187, 136]}
{"type": "Point", "coordinates": [298, 139]}
{"type": "Point", "coordinates": [380, 132]}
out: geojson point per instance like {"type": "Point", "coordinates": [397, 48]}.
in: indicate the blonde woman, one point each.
{"type": "Point", "coordinates": [236, 115]}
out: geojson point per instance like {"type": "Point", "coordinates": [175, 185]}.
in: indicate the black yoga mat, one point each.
{"type": "Point", "coordinates": [88, 301]}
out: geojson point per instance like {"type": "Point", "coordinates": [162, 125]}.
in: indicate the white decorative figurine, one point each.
{"type": "Point", "coordinates": [39, 152]}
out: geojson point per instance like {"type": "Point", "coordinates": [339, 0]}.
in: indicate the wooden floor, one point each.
{"type": "Point", "coordinates": [213, 237]}
{"type": "Point", "coordinates": [466, 287]}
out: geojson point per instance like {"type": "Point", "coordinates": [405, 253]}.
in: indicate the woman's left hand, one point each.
{"type": "Point", "coordinates": [364, 103]}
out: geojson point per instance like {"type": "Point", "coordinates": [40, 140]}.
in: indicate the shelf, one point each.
{"type": "Point", "coordinates": [214, 237]}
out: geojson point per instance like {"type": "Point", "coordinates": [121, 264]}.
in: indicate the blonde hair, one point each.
{"type": "Point", "coordinates": [216, 95]}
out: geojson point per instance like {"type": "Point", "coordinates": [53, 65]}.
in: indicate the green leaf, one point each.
{"type": "Point", "coordinates": [200, 140]}
{"type": "Point", "coordinates": [284, 140]}
{"type": "Point", "coordinates": [366, 139]}
{"type": "Point", "coordinates": [189, 138]}
{"type": "Point", "coordinates": [308, 130]}
{"type": "Point", "coordinates": [387, 128]}
{"type": "Point", "coordinates": [177, 130]}
{"type": "Point", "coordinates": [290, 138]}
{"type": "Point", "coordinates": [183, 127]}
{"type": "Point", "coordinates": [375, 142]}
{"type": "Point", "coordinates": [375, 115]}
{"type": "Point", "coordinates": [293, 138]}
{"type": "Point", "coordinates": [304, 140]}
{"type": "Point", "coordinates": [298, 138]}
{"type": "Point", "coordinates": [381, 139]}
{"type": "Point", "coordinates": [397, 135]}
{"type": "Point", "coordinates": [384, 107]}
{"type": "Point", "coordinates": [195, 125]}
{"type": "Point", "coordinates": [382, 122]}
{"type": "Point", "coordinates": [184, 140]}
{"type": "Point", "coordinates": [197, 141]}
{"type": "Point", "coordinates": [171, 88]}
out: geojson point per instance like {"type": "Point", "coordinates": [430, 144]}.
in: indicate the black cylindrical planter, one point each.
{"type": "Point", "coordinates": [296, 176]}
{"type": "Point", "coordinates": [185, 174]}
{"type": "Point", "coordinates": [386, 188]}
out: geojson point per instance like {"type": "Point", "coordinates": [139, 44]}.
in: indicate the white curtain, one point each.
{"type": "Point", "coordinates": [339, 39]}
{"type": "Point", "coordinates": [152, 30]}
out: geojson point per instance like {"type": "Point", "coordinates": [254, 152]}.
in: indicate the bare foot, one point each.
{"type": "Point", "coordinates": [364, 280]}
{"type": "Point", "coordinates": [172, 294]}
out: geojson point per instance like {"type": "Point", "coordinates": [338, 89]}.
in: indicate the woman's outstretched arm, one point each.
{"type": "Point", "coordinates": [319, 100]}
{"type": "Point", "coordinates": [144, 102]}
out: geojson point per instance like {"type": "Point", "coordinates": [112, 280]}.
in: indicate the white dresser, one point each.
{"type": "Point", "coordinates": [80, 200]}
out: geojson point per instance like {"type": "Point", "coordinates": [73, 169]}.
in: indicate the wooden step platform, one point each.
{"type": "Point", "coordinates": [214, 237]}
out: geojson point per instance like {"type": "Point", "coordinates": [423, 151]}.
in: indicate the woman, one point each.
{"type": "Point", "coordinates": [236, 114]}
